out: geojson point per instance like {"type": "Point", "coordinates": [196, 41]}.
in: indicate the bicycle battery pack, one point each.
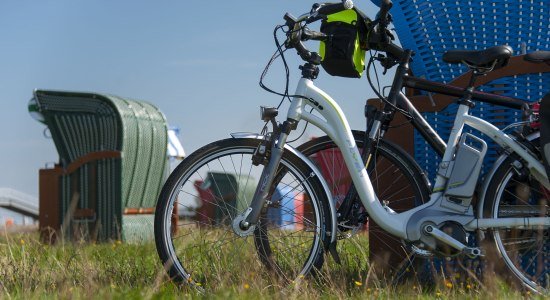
{"type": "Point", "coordinates": [463, 172]}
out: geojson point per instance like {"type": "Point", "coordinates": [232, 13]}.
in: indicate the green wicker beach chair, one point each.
{"type": "Point", "coordinates": [112, 164]}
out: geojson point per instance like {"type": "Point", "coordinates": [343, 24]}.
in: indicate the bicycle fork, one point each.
{"type": "Point", "coordinates": [244, 223]}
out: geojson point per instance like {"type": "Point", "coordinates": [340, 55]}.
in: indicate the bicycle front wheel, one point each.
{"type": "Point", "coordinates": [194, 231]}
{"type": "Point", "coordinates": [514, 193]}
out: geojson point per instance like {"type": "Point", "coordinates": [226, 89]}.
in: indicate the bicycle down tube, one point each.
{"type": "Point", "coordinates": [337, 128]}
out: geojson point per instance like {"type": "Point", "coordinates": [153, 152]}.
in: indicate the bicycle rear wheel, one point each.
{"type": "Point", "coordinates": [200, 200]}
{"type": "Point", "coordinates": [513, 192]}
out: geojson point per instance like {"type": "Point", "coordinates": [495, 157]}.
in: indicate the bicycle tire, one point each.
{"type": "Point", "coordinates": [396, 164]}
{"type": "Point", "coordinates": [513, 192]}
{"type": "Point", "coordinates": [194, 251]}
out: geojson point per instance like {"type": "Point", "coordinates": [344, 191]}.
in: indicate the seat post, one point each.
{"type": "Point", "coordinates": [473, 78]}
{"type": "Point", "coordinates": [469, 91]}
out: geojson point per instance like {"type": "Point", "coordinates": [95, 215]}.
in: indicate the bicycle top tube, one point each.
{"type": "Point", "coordinates": [451, 90]}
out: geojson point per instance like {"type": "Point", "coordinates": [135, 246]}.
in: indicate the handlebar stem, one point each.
{"type": "Point", "coordinates": [401, 71]}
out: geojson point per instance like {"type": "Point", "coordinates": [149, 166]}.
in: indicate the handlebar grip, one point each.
{"type": "Point", "coordinates": [317, 36]}
{"type": "Point", "coordinates": [333, 8]}
{"type": "Point", "coordinates": [385, 7]}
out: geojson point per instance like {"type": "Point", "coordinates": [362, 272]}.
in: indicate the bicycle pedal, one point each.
{"type": "Point", "coordinates": [273, 204]}
{"type": "Point", "coordinates": [472, 252]}
{"type": "Point", "coordinates": [344, 236]}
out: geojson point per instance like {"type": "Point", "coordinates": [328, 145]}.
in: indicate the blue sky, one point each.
{"type": "Point", "coordinates": [198, 61]}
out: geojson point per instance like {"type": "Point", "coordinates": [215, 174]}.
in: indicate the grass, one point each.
{"type": "Point", "coordinates": [30, 269]}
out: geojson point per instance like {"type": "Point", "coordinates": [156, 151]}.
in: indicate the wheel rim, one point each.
{"type": "Point", "coordinates": [205, 244]}
{"type": "Point", "coordinates": [525, 252]}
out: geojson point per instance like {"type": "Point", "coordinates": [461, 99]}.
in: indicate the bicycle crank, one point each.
{"type": "Point", "coordinates": [446, 239]}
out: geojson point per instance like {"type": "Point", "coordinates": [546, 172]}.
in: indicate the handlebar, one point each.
{"type": "Point", "coordinates": [379, 39]}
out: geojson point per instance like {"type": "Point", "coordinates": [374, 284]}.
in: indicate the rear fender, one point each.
{"type": "Point", "coordinates": [491, 174]}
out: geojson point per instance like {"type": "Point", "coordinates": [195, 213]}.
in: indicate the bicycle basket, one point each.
{"type": "Point", "coordinates": [342, 53]}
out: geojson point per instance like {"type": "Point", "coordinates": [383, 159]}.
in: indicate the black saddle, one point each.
{"type": "Point", "coordinates": [481, 59]}
{"type": "Point", "coordinates": [538, 56]}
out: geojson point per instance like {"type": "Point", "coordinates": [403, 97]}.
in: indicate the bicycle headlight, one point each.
{"type": "Point", "coordinates": [268, 113]}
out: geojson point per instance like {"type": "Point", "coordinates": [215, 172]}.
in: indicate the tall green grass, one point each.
{"type": "Point", "coordinates": [30, 269]}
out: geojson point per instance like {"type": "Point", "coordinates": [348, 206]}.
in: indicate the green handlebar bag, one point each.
{"type": "Point", "coordinates": [342, 53]}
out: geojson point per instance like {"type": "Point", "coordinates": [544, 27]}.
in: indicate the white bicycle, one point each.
{"type": "Point", "coordinates": [252, 203]}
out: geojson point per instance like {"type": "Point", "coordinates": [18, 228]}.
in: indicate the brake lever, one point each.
{"type": "Point", "coordinates": [382, 28]}
{"type": "Point", "coordinates": [308, 34]}
{"type": "Point", "coordinates": [389, 19]}
{"type": "Point", "coordinates": [386, 62]}
{"type": "Point", "coordinates": [295, 31]}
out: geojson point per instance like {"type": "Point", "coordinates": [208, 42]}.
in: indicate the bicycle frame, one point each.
{"type": "Point", "coordinates": [336, 126]}
{"type": "Point", "coordinates": [420, 223]}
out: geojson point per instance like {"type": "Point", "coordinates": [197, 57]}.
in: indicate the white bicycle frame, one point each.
{"type": "Point", "coordinates": [336, 126]}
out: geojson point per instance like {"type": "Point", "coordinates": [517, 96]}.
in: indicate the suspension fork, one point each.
{"type": "Point", "coordinates": [382, 119]}
{"type": "Point", "coordinates": [377, 124]}
{"type": "Point", "coordinates": [263, 190]}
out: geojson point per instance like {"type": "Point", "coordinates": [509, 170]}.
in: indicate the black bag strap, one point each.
{"type": "Point", "coordinates": [363, 25]}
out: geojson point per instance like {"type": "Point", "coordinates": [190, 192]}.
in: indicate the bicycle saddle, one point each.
{"type": "Point", "coordinates": [538, 56]}
{"type": "Point", "coordinates": [498, 55]}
